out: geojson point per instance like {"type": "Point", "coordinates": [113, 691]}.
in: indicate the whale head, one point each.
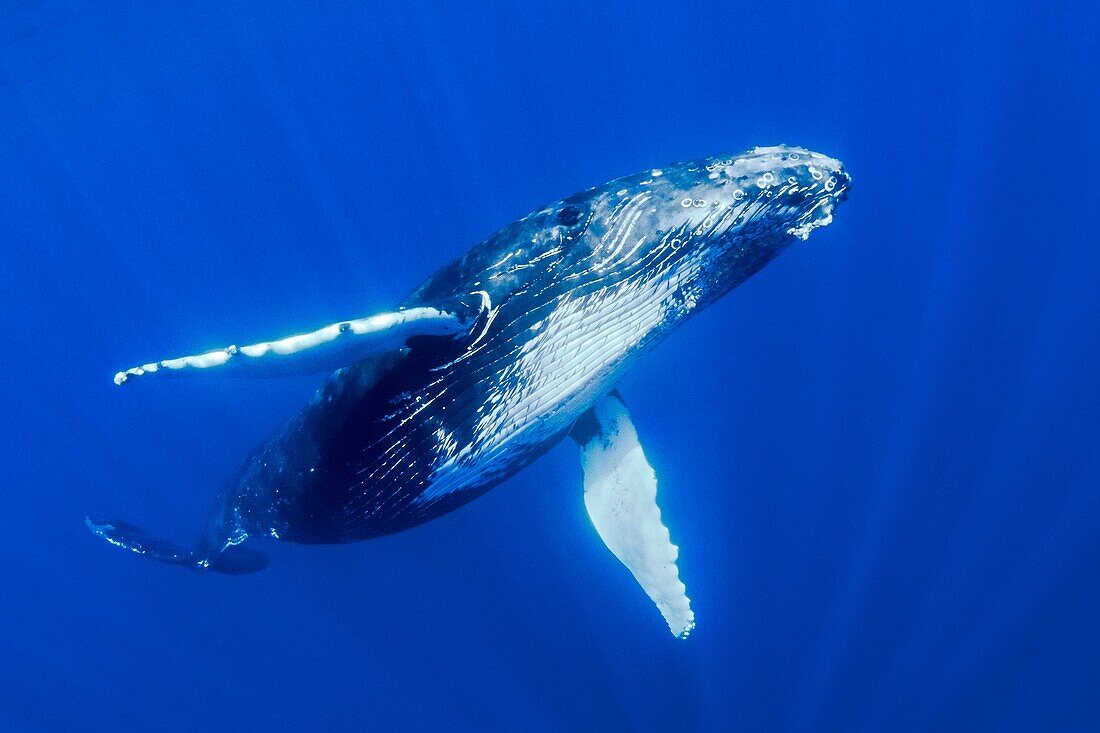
{"type": "Point", "coordinates": [773, 195]}
{"type": "Point", "coordinates": [694, 230]}
{"type": "Point", "coordinates": [709, 224]}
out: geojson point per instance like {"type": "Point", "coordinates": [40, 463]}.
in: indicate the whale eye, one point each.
{"type": "Point", "coordinates": [569, 216]}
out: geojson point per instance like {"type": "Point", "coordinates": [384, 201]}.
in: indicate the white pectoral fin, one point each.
{"type": "Point", "coordinates": [326, 349]}
{"type": "Point", "coordinates": [620, 492]}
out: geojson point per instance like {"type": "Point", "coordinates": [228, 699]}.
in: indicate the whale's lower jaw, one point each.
{"type": "Point", "coordinates": [802, 231]}
{"type": "Point", "coordinates": [818, 217]}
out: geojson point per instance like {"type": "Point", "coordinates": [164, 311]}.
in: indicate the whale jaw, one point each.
{"type": "Point", "coordinates": [821, 216]}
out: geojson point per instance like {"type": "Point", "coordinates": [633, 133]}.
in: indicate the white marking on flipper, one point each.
{"type": "Point", "coordinates": [620, 493]}
{"type": "Point", "coordinates": [325, 349]}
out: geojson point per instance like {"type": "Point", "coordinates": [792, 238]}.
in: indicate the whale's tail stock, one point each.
{"type": "Point", "coordinates": [230, 559]}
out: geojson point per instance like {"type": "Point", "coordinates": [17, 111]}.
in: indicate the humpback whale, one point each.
{"type": "Point", "coordinates": [496, 357]}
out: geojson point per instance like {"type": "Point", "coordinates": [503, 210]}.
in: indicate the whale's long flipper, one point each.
{"type": "Point", "coordinates": [620, 492]}
{"type": "Point", "coordinates": [329, 348]}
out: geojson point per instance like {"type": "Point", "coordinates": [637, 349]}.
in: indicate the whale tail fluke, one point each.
{"type": "Point", "coordinates": [233, 560]}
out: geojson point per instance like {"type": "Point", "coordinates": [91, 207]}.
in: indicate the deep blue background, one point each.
{"type": "Point", "coordinates": [879, 456]}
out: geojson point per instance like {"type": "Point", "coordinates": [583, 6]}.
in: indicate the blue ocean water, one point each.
{"type": "Point", "coordinates": [879, 456]}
